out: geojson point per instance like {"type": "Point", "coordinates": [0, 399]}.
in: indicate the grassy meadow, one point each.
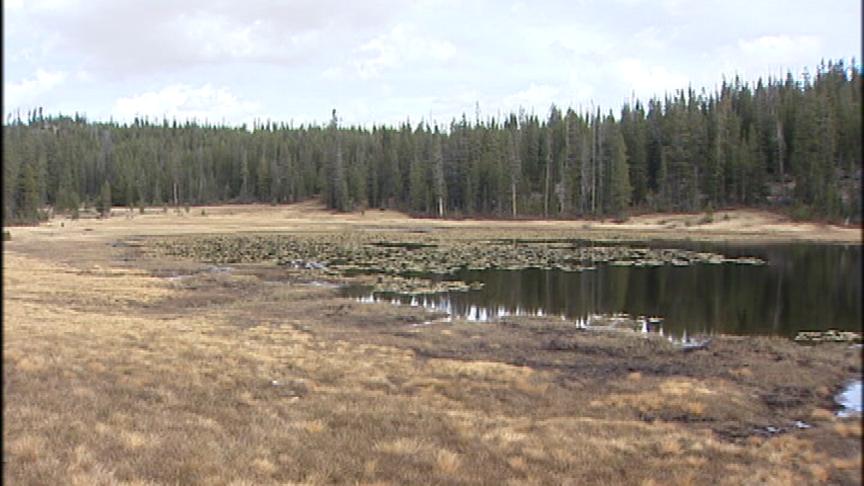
{"type": "Point", "coordinates": [121, 367]}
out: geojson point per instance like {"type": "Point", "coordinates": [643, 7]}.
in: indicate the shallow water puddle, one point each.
{"type": "Point", "coordinates": [698, 288]}
{"type": "Point", "coordinates": [850, 399]}
{"type": "Point", "coordinates": [773, 299]}
{"type": "Point", "coordinates": [479, 313]}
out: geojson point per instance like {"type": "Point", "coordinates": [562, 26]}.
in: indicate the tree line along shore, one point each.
{"type": "Point", "coordinates": [792, 144]}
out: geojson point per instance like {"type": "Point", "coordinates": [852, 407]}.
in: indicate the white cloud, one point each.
{"type": "Point", "coordinates": [217, 37]}
{"type": "Point", "coordinates": [762, 55]}
{"type": "Point", "coordinates": [535, 96]}
{"type": "Point", "coordinates": [380, 60]}
{"type": "Point", "coordinates": [335, 73]}
{"type": "Point", "coordinates": [115, 38]}
{"type": "Point", "coordinates": [83, 75]}
{"type": "Point", "coordinates": [780, 49]}
{"type": "Point", "coordinates": [673, 6]}
{"type": "Point", "coordinates": [27, 91]}
{"type": "Point", "coordinates": [183, 102]}
{"type": "Point", "coordinates": [462, 100]}
{"type": "Point", "coordinates": [646, 80]}
{"type": "Point", "coordinates": [652, 38]}
{"type": "Point", "coordinates": [40, 5]}
{"type": "Point", "coordinates": [400, 46]}
{"type": "Point", "coordinates": [567, 40]}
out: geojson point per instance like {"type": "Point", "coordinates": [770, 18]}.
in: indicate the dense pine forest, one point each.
{"type": "Point", "coordinates": [792, 143]}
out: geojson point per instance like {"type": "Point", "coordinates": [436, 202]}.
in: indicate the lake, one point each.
{"type": "Point", "coordinates": [802, 287]}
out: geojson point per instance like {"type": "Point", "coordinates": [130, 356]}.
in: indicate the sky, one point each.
{"type": "Point", "coordinates": [391, 61]}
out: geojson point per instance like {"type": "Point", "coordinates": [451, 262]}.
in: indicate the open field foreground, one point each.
{"type": "Point", "coordinates": [123, 368]}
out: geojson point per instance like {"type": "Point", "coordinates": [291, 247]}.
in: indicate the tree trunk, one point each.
{"type": "Point", "coordinates": [546, 184]}
{"type": "Point", "coordinates": [513, 197]}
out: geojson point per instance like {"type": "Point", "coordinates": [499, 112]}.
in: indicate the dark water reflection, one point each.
{"type": "Point", "coordinates": [803, 287]}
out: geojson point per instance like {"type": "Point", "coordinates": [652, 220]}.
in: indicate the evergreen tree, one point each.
{"type": "Point", "coordinates": [104, 203]}
{"type": "Point", "coordinates": [439, 183]}
{"type": "Point", "coordinates": [515, 168]}
{"type": "Point", "coordinates": [618, 198]}
{"type": "Point", "coordinates": [778, 142]}
{"type": "Point", "coordinates": [418, 185]}
{"type": "Point", "coordinates": [335, 182]}
{"type": "Point", "coordinates": [634, 131]}
{"type": "Point", "coordinates": [28, 201]}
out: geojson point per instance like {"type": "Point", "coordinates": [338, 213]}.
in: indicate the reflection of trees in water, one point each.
{"type": "Point", "coordinates": [803, 287]}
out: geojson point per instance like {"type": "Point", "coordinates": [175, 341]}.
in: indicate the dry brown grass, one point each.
{"type": "Point", "coordinates": [113, 375]}
{"type": "Point", "coordinates": [310, 217]}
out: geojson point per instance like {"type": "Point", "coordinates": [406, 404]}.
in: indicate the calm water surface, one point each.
{"type": "Point", "coordinates": [803, 287]}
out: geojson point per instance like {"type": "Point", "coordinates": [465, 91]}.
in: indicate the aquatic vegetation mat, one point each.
{"type": "Point", "coordinates": [403, 263]}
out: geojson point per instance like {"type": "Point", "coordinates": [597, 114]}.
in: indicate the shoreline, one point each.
{"type": "Point", "coordinates": [744, 225]}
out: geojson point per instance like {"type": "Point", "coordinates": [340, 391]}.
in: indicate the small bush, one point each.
{"type": "Point", "coordinates": [7, 236]}
{"type": "Point", "coordinates": [707, 218]}
{"type": "Point", "coordinates": [801, 212]}
{"type": "Point", "coordinates": [709, 215]}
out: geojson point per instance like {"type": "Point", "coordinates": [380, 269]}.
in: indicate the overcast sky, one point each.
{"type": "Point", "coordinates": [387, 61]}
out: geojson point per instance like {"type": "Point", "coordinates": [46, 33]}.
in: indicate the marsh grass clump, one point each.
{"type": "Point", "coordinates": [707, 218]}
{"type": "Point", "coordinates": [395, 284]}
